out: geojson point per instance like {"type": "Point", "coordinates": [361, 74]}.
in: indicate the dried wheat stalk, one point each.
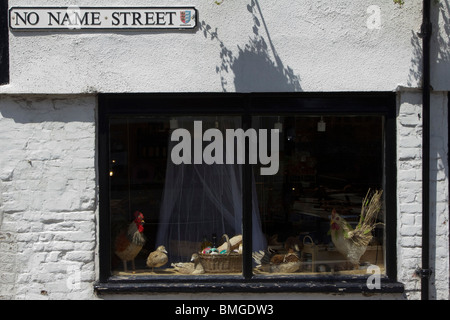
{"type": "Point", "coordinates": [371, 206]}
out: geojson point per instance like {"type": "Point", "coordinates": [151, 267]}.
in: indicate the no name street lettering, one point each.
{"type": "Point", "coordinates": [63, 18]}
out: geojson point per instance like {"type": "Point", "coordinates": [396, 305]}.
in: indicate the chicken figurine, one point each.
{"type": "Point", "coordinates": [352, 243]}
{"type": "Point", "coordinates": [157, 258]}
{"type": "Point", "coordinates": [130, 241]}
{"type": "Point", "coordinates": [193, 267]}
{"type": "Point", "coordinates": [269, 261]}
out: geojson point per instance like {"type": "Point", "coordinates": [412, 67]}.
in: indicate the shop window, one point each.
{"type": "Point", "coordinates": [328, 164]}
{"type": "Point", "coordinates": [285, 204]}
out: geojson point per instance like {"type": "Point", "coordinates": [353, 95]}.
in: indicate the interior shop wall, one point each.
{"type": "Point", "coordinates": [253, 45]}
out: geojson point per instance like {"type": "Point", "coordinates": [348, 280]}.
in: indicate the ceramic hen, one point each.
{"type": "Point", "coordinates": [268, 261]}
{"type": "Point", "coordinates": [353, 242]}
{"type": "Point", "coordinates": [157, 258]}
{"type": "Point", "coordinates": [194, 267]}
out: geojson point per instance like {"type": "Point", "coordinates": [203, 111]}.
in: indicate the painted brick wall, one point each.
{"type": "Point", "coordinates": [439, 198]}
{"type": "Point", "coordinates": [48, 205]}
{"type": "Point", "coordinates": [409, 186]}
{"type": "Point", "coordinates": [409, 191]}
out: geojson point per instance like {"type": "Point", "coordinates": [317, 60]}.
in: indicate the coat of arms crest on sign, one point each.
{"type": "Point", "coordinates": [185, 16]}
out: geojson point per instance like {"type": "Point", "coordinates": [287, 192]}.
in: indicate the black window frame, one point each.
{"type": "Point", "coordinates": [247, 105]}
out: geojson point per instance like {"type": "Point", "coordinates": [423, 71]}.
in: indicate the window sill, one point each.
{"type": "Point", "coordinates": [283, 284]}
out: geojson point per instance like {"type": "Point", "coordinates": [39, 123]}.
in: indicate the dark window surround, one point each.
{"type": "Point", "coordinates": [4, 43]}
{"type": "Point", "coordinates": [247, 104]}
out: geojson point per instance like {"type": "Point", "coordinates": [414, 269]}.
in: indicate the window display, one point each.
{"type": "Point", "coordinates": [320, 210]}
{"type": "Point", "coordinates": [323, 211]}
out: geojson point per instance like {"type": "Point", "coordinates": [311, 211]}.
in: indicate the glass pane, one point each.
{"type": "Point", "coordinates": [188, 194]}
{"type": "Point", "coordinates": [312, 206]}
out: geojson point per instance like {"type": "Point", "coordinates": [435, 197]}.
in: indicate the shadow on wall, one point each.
{"type": "Point", "coordinates": [440, 51]}
{"type": "Point", "coordinates": [256, 66]}
{"type": "Point", "coordinates": [440, 59]}
{"type": "Point", "coordinates": [40, 109]}
{"type": "Point", "coordinates": [416, 68]}
{"type": "Point", "coordinates": [440, 54]}
{"type": "Point", "coordinates": [439, 170]}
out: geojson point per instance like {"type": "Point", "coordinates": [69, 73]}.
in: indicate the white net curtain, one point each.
{"type": "Point", "coordinates": [201, 199]}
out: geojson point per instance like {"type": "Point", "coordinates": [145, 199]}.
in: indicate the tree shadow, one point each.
{"type": "Point", "coordinates": [416, 66]}
{"type": "Point", "coordinates": [439, 170]}
{"type": "Point", "coordinates": [440, 51]}
{"type": "Point", "coordinates": [256, 66]}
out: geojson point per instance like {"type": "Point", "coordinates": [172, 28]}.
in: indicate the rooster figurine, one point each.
{"type": "Point", "coordinates": [129, 242]}
{"type": "Point", "coordinates": [352, 243]}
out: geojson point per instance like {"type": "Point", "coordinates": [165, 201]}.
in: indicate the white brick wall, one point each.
{"type": "Point", "coordinates": [409, 186]}
{"type": "Point", "coordinates": [49, 199]}
{"type": "Point", "coordinates": [439, 198]}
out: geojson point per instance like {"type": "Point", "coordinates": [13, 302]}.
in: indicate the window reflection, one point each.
{"type": "Point", "coordinates": [326, 166]}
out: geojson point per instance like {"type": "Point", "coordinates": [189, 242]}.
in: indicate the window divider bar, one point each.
{"type": "Point", "coordinates": [247, 207]}
{"type": "Point", "coordinates": [391, 195]}
{"type": "Point", "coordinates": [103, 169]}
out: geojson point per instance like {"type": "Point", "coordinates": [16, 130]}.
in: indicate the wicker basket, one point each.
{"type": "Point", "coordinates": [222, 263]}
